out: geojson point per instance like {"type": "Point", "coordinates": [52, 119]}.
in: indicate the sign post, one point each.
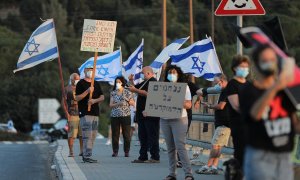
{"type": "Point", "coordinates": [165, 99]}
{"type": "Point", "coordinates": [98, 36]}
{"type": "Point", "coordinates": [240, 8]}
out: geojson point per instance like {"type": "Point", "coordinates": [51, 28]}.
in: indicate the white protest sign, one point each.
{"type": "Point", "coordinates": [165, 99]}
{"type": "Point", "coordinates": [48, 111]}
{"type": "Point", "coordinates": [98, 35]}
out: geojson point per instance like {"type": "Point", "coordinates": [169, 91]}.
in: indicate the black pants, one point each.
{"type": "Point", "coordinates": [238, 139]}
{"type": "Point", "coordinates": [148, 132]}
{"type": "Point", "coordinates": [125, 123]}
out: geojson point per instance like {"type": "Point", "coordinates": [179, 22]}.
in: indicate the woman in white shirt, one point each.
{"type": "Point", "coordinates": [174, 130]}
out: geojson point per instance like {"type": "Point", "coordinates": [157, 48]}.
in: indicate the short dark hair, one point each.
{"type": "Point", "coordinates": [257, 51]}
{"type": "Point", "coordinates": [181, 76]}
{"type": "Point", "coordinates": [237, 60]}
{"type": "Point", "coordinates": [122, 79]}
{"type": "Point", "coordinates": [222, 77]}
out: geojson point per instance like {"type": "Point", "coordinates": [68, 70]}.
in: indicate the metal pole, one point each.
{"type": "Point", "coordinates": [191, 21]}
{"type": "Point", "coordinates": [213, 20]}
{"type": "Point", "coordinates": [239, 43]}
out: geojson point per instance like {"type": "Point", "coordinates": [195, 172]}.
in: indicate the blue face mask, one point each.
{"type": "Point", "coordinates": [242, 72]}
{"type": "Point", "coordinates": [142, 76]}
{"type": "Point", "coordinates": [172, 77]}
{"type": "Point", "coordinates": [217, 87]}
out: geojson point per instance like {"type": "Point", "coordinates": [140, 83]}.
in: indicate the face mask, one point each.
{"type": "Point", "coordinates": [89, 74]}
{"type": "Point", "coordinates": [172, 77]}
{"type": "Point", "coordinates": [217, 87]}
{"type": "Point", "coordinates": [76, 81]}
{"type": "Point", "coordinates": [242, 72]}
{"type": "Point", "coordinates": [118, 85]}
{"type": "Point", "coordinates": [142, 76]}
{"type": "Point", "coordinates": [267, 68]}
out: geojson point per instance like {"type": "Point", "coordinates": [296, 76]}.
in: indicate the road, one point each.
{"type": "Point", "coordinates": [25, 161]}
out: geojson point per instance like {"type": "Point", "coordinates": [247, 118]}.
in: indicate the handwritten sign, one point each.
{"type": "Point", "coordinates": [98, 35]}
{"type": "Point", "coordinates": [165, 99]}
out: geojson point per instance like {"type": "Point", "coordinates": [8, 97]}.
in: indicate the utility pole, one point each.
{"type": "Point", "coordinates": [239, 45]}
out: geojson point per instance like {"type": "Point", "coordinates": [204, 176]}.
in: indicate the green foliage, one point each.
{"type": "Point", "coordinates": [136, 19]}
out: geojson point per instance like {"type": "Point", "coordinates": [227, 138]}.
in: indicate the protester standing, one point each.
{"type": "Point", "coordinates": [120, 102]}
{"type": "Point", "coordinates": [222, 131]}
{"type": "Point", "coordinates": [240, 67]}
{"type": "Point", "coordinates": [175, 129]}
{"type": "Point", "coordinates": [148, 127]}
{"type": "Point", "coordinates": [88, 119]}
{"type": "Point", "coordinates": [72, 114]}
{"type": "Point", "coordinates": [269, 117]}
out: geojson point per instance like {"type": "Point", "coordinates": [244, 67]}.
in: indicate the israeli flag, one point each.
{"type": "Point", "coordinates": [41, 47]}
{"type": "Point", "coordinates": [200, 59]}
{"type": "Point", "coordinates": [134, 64]}
{"type": "Point", "coordinates": [163, 57]}
{"type": "Point", "coordinates": [108, 67]}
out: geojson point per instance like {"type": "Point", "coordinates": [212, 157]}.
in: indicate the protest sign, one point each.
{"type": "Point", "coordinates": [165, 99]}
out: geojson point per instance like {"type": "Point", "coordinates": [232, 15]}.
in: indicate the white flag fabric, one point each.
{"type": "Point", "coordinates": [163, 57]}
{"type": "Point", "coordinates": [199, 59]}
{"type": "Point", "coordinates": [134, 64]}
{"type": "Point", "coordinates": [108, 67]}
{"type": "Point", "coordinates": [41, 47]}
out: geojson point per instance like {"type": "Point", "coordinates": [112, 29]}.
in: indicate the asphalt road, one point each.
{"type": "Point", "coordinates": [25, 161]}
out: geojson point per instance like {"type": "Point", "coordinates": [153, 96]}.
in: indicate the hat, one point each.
{"type": "Point", "coordinates": [88, 67]}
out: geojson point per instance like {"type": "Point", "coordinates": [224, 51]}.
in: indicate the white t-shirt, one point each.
{"type": "Point", "coordinates": [188, 97]}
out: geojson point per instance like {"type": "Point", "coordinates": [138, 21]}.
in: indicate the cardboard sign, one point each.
{"type": "Point", "coordinates": [98, 35]}
{"type": "Point", "coordinates": [165, 99]}
{"type": "Point", "coordinates": [48, 111]}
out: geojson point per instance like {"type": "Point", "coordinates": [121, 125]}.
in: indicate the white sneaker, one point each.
{"type": "Point", "coordinates": [203, 170]}
{"type": "Point", "coordinates": [108, 142]}
{"type": "Point", "coordinates": [213, 170]}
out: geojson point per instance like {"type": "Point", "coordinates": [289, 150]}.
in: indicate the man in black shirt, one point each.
{"type": "Point", "coordinates": [269, 117]}
{"type": "Point", "coordinates": [222, 130]}
{"type": "Point", "coordinates": [148, 127]}
{"type": "Point", "coordinates": [88, 119]}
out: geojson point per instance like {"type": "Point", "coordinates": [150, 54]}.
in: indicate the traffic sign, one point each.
{"type": "Point", "coordinates": [240, 8]}
{"type": "Point", "coordinates": [48, 111]}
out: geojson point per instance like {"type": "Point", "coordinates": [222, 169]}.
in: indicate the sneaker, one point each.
{"type": "Point", "coordinates": [203, 170]}
{"type": "Point", "coordinates": [108, 142]}
{"type": "Point", "coordinates": [114, 154]}
{"type": "Point", "coordinates": [214, 170]}
{"type": "Point", "coordinates": [89, 160]}
{"type": "Point", "coordinates": [152, 161]}
{"type": "Point", "coordinates": [126, 154]}
{"type": "Point", "coordinates": [80, 154]}
{"type": "Point", "coordinates": [138, 161]}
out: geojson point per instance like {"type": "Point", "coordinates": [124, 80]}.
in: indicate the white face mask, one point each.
{"type": "Point", "coordinates": [89, 74]}
{"type": "Point", "coordinates": [118, 85]}
{"type": "Point", "coordinates": [76, 81]}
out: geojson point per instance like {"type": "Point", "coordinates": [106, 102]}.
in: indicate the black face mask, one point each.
{"type": "Point", "coordinates": [266, 69]}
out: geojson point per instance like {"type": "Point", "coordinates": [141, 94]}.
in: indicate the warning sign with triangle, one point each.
{"type": "Point", "coordinates": [239, 8]}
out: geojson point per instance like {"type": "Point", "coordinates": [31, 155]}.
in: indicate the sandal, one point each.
{"type": "Point", "coordinates": [189, 178]}
{"type": "Point", "coordinates": [169, 177]}
{"type": "Point", "coordinates": [71, 154]}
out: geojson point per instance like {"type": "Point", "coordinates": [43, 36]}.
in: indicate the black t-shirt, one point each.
{"type": "Point", "coordinates": [193, 87]}
{"type": "Point", "coordinates": [275, 131]}
{"type": "Point", "coordinates": [141, 100]}
{"type": "Point", "coordinates": [82, 86]}
{"type": "Point", "coordinates": [234, 87]}
{"type": "Point", "coordinates": [221, 116]}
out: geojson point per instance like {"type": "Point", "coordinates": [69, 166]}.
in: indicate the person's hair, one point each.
{"type": "Point", "coordinates": [222, 77]}
{"type": "Point", "coordinates": [237, 60]}
{"type": "Point", "coordinates": [122, 79]}
{"type": "Point", "coordinates": [72, 76]}
{"type": "Point", "coordinates": [181, 76]}
{"type": "Point", "coordinates": [257, 51]}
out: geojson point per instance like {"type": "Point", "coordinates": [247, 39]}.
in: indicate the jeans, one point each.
{"type": "Point", "coordinates": [267, 165]}
{"type": "Point", "coordinates": [89, 127]}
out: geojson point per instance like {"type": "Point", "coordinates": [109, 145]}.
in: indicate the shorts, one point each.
{"type": "Point", "coordinates": [74, 127]}
{"type": "Point", "coordinates": [221, 136]}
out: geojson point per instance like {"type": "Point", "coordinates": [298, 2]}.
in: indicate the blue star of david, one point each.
{"type": "Point", "coordinates": [29, 44]}
{"type": "Point", "coordinates": [196, 66]}
{"type": "Point", "coordinates": [141, 63]}
{"type": "Point", "coordinates": [103, 71]}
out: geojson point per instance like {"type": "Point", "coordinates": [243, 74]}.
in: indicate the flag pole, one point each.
{"type": "Point", "coordinates": [61, 74]}
{"type": "Point", "coordinates": [93, 77]}
{"type": "Point", "coordinates": [164, 31]}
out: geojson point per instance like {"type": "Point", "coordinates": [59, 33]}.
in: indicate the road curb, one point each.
{"type": "Point", "coordinates": [66, 167]}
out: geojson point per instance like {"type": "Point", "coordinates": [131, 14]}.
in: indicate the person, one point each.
{"type": "Point", "coordinates": [120, 101]}
{"type": "Point", "coordinates": [175, 129]}
{"type": "Point", "coordinates": [240, 67]}
{"type": "Point", "coordinates": [148, 127]}
{"type": "Point", "coordinates": [88, 119]}
{"type": "Point", "coordinates": [222, 131]}
{"type": "Point", "coordinates": [72, 114]}
{"type": "Point", "coordinates": [269, 117]}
